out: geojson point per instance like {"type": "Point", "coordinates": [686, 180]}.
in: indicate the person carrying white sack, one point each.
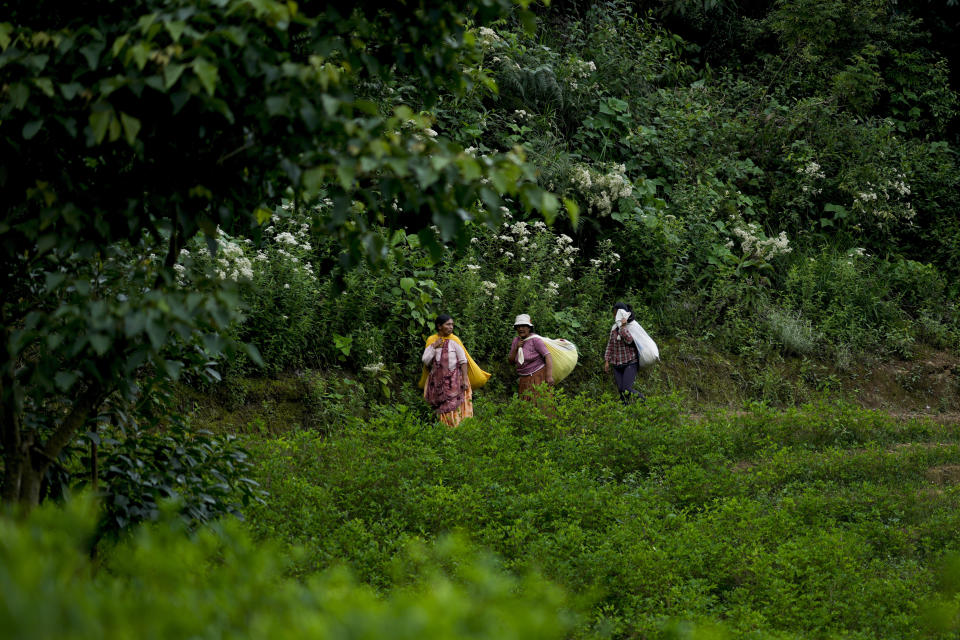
{"type": "Point", "coordinates": [628, 347]}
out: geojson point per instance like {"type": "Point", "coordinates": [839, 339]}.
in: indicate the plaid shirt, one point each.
{"type": "Point", "coordinates": [620, 347]}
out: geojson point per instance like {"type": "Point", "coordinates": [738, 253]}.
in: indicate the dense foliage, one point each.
{"type": "Point", "coordinates": [220, 584]}
{"type": "Point", "coordinates": [159, 120]}
{"type": "Point", "coordinates": [822, 522]}
{"type": "Point", "coordinates": [198, 191]}
{"type": "Point", "coordinates": [796, 202]}
{"type": "Point", "coordinates": [827, 521]}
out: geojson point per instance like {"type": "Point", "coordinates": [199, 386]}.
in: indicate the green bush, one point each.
{"type": "Point", "coordinates": [217, 583]}
{"type": "Point", "coordinates": [208, 476]}
{"type": "Point", "coordinates": [759, 521]}
{"type": "Point", "coordinates": [845, 299]}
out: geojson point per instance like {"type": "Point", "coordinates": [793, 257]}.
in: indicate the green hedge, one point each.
{"type": "Point", "coordinates": [819, 522]}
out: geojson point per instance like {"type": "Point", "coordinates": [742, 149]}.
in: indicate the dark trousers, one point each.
{"type": "Point", "coordinates": [624, 375]}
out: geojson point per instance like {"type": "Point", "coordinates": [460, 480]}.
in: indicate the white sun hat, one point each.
{"type": "Point", "coordinates": [523, 318]}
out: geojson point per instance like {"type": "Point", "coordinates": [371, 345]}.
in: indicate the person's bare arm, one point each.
{"type": "Point", "coordinates": [549, 360]}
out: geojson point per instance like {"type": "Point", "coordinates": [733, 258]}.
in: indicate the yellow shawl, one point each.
{"type": "Point", "coordinates": [478, 377]}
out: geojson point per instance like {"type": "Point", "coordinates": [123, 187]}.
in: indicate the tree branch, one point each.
{"type": "Point", "coordinates": [241, 149]}
{"type": "Point", "coordinates": [88, 402]}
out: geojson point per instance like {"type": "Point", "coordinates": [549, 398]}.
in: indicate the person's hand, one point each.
{"type": "Point", "coordinates": [606, 366]}
{"type": "Point", "coordinates": [438, 344]}
{"type": "Point", "coordinates": [550, 380]}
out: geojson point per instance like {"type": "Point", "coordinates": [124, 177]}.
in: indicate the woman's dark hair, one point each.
{"type": "Point", "coordinates": [625, 307]}
{"type": "Point", "coordinates": [441, 319]}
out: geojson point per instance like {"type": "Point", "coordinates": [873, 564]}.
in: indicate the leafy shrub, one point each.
{"type": "Point", "coordinates": [843, 296]}
{"type": "Point", "coordinates": [218, 583]}
{"type": "Point", "coordinates": [284, 293]}
{"type": "Point", "coordinates": [654, 517]}
{"type": "Point", "coordinates": [206, 476]}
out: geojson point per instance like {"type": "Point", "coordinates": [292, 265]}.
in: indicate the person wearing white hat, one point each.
{"type": "Point", "coordinates": [531, 357]}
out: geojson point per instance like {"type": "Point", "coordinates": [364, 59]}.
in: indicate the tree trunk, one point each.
{"type": "Point", "coordinates": [25, 461]}
{"type": "Point", "coordinates": [30, 486]}
{"type": "Point", "coordinates": [15, 454]}
{"type": "Point", "coordinates": [13, 465]}
{"type": "Point", "coordinates": [21, 475]}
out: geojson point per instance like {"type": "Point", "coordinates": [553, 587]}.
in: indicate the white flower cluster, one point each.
{"type": "Point", "coordinates": [229, 262]}
{"type": "Point", "coordinates": [885, 201]}
{"type": "Point", "coordinates": [601, 190]}
{"type": "Point", "coordinates": [375, 368]}
{"type": "Point", "coordinates": [565, 249]}
{"type": "Point", "coordinates": [488, 36]}
{"type": "Point", "coordinates": [811, 171]}
{"type": "Point", "coordinates": [419, 136]}
{"type": "Point", "coordinates": [523, 251]}
{"type": "Point", "coordinates": [580, 176]}
{"type": "Point", "coordinates": [291, 246]}
{"type": "Point", "coordinates": [755, 244]}
{"type": "Point", "coordinates": [607, 257]}
{"type": "Point", "coordinates": [582, 69]}
{"type": "Point", "coordinates": [525, 238]}
{"type": "Point", "coordinates": [857, 252]}
{"type": "Point", "coordinates": [899, 185]}
{"type": "Point", "coordinates": [288, 238]}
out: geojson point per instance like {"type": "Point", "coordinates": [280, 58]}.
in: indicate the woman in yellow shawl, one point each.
{"type": "Point", "coordinates": [448, 385]}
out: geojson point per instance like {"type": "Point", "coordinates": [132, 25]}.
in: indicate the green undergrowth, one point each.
{"type": "Point", "coordinates": [822, 521]}
{"type": "Point", "coordinates": [162, 583]}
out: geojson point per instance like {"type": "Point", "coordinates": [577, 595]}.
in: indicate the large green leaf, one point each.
{"type": "Point", "coordinates": [131, 127]}
{"type": "Point", "coordinates": [100, 118]}
{"type": "Point", "coordinates": [208, 73]}
{"type": "Point", "coordinates": [31, 129]}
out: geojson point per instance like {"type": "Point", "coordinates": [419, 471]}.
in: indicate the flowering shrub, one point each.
{"type": "Point", "coordinates": [578, 73]}
{"type": "Point", "coordinates": [278, 285]}
{"type": "Point", "coordinates": [285, 291]}
{"type": "Point", "coordinates": [602, 189]}
{"type": "Point", "coordinates": [522, 267]}
{"type": "Point", "coordinates": [225, 259]}
{"type": "Point", "coordinates": [756, 246]}
{"type": "Point", "coordinates": [880, 196]}
{"type": "Point", "coordinates": [487, 37]}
